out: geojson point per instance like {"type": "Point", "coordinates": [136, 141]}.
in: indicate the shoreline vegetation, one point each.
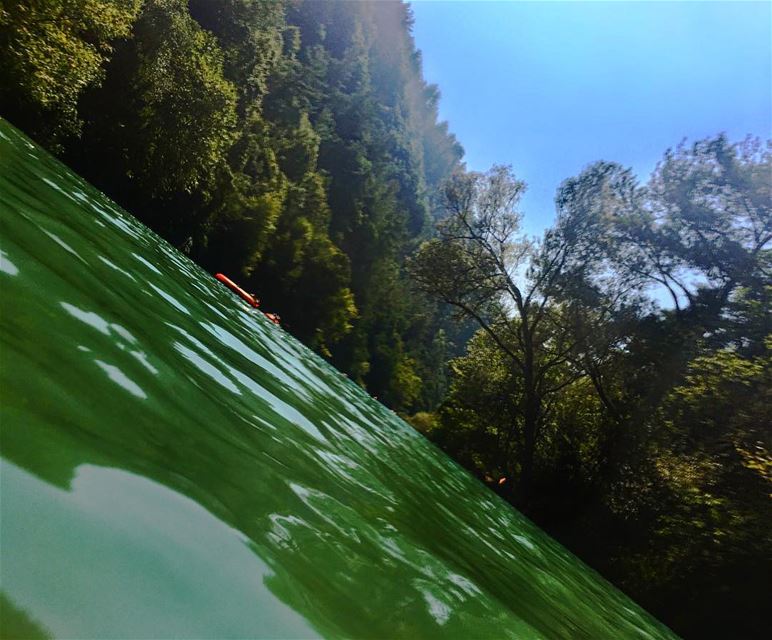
{"type": "Point", "coordinates": [610, 379]}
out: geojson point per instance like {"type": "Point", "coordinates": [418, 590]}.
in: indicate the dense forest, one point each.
{"type": "Point", "coordinates": [295, 147]}
{"type": "Point", "coordinates": [611, 379]}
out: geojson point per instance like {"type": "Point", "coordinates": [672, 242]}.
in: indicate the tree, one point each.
{"type": "Point", "coordinates": [51, 51]}
{"type": "Point", "coordinates": [700, 229]}
{"type": "Point", "coordinates": [478, 413]}
{"type": "Point", "coordinates": [481, 266]}
{"type": "Point", "coordinates": [177, 114]}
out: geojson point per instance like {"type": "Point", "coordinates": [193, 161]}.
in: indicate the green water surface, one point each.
{"type": "Point", "coordinates": [174, 465]}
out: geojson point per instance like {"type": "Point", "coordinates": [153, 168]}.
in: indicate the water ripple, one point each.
{"type": "Point", "coordinates": [121, 379]}
{"type": "Point", "coordinates": [6, 266]}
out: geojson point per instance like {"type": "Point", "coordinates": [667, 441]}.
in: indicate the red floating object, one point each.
{"type": "Point", "coordinates": [246, 297]}
{"type": "Point", "coordinates": [273, 317]}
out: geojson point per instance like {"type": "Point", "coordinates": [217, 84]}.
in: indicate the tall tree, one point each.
{"type": "Point", "coordinates": [159, 127]}
{"type": "Point", "coordinates": [508, 285]}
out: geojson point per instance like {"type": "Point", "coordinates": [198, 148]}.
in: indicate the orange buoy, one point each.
{"type": "Point", "coordinates": [273, 317]}
{"type": "Point", "coordinates": [246, 297]}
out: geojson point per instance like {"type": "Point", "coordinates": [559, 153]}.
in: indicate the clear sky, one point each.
{"type": "Point", "coordinates": [550, 87]}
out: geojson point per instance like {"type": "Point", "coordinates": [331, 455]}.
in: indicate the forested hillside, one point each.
{"type": "Point", "coordinates": [294, 146]}
{"type": "Point", "coordinates": [617, 388]}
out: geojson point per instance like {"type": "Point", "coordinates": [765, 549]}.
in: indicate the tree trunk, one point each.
{"type": "Point", "coordinates": [531, 414]}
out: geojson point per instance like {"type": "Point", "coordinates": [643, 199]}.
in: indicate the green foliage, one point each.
{"type": "Point", "coordinates": [171, 111]}
{"type": "Point", "coordinates": [359, 85]}
{"type": "Point", "coordinates": [699, 229]}
{"type": "Point", "coordinates": [51, 51]}
{"type": "Point", "coordinates": [250, 35]}
{"type": "Point", "coordinates": [523, 296]}
{"type": "Point", "coordinates": [303, 273]}
{"type": "Point", "coordinates": [480, 419]}
{"type": "Point", "coordinates": [708, 477]}
{"type": "Point", "coordinates": [423, 421]}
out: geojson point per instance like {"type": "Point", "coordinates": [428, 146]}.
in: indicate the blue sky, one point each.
{"type": "Point", "coordinates": [549, 87]}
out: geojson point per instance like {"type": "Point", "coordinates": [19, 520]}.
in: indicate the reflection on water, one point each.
{"type": "Point", "coordinates": [164, 550]}
{"type": "Point", "coordinates": [16, 619]}
{"type": "Point", "coordinates": [174, 465]}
